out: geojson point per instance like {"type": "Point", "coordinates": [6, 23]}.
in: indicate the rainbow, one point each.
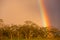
{"type": "Point", "coordinates": [44, 16]}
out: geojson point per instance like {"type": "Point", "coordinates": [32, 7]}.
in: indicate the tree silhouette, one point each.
{"type": "Point", "coordinates": [28, 30]}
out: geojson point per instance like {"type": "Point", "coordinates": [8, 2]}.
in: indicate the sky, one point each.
{"type": "Point", "coordinates": [18, 11]}
{"type": "Point", "coordinates": [53, 8]}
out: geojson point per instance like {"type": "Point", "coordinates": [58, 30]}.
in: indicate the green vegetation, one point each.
{"type": "Point", "coordinates": [28, 31]}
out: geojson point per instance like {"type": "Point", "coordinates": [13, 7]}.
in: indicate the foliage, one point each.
{"type": "Point", "coordinates": [28, 31]}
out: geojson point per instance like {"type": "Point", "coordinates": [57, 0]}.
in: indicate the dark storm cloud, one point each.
{"type": "Point", "coordinates": [53, 7]}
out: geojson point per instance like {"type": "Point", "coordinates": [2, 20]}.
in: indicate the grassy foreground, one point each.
{"type": "Point", "coordinates": [33, 39]}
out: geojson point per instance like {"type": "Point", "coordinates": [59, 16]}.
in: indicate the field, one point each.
{"type": "Point", "coordinates": [33, 39]}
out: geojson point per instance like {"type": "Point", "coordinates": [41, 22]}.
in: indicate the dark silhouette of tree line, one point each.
{"type": "Point", "coordinates": [27, 31]}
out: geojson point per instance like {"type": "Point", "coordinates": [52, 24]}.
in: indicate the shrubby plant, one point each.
{"type": "Point", "coordinates": [29, 30]}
